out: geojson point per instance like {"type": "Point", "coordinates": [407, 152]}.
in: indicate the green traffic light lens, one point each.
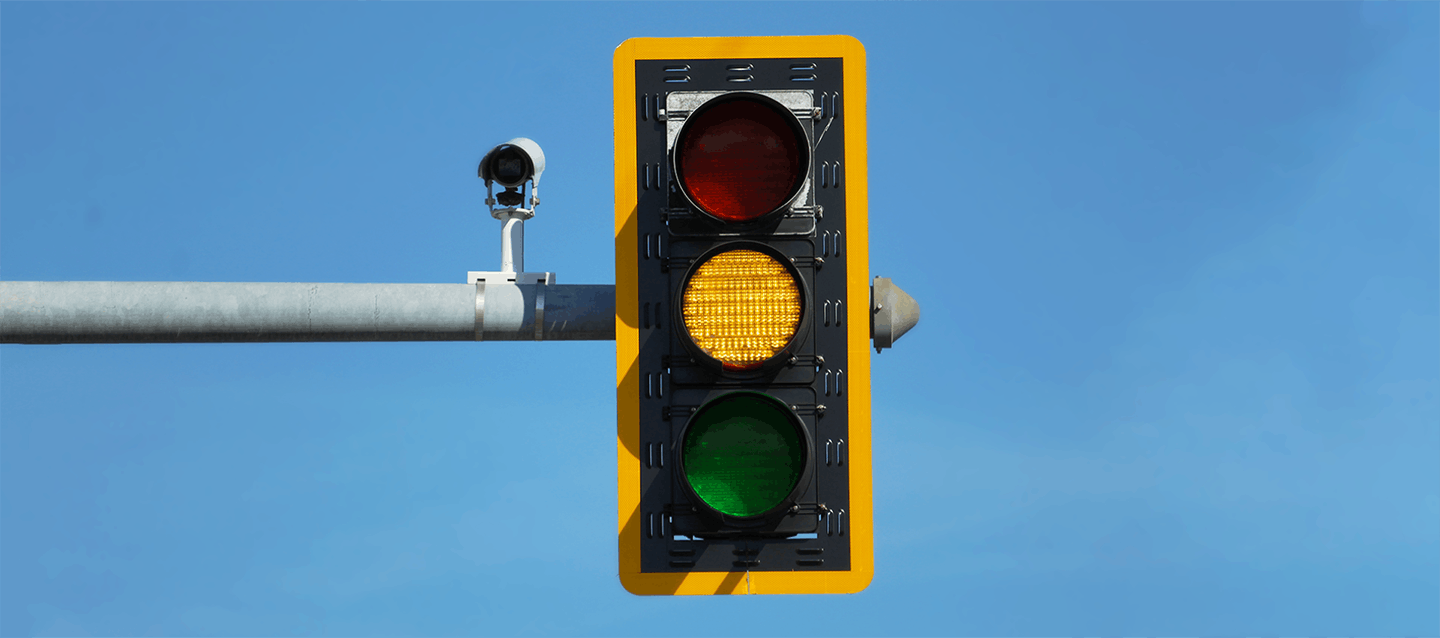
{"type": "Point", "coordinates": [743, 453]}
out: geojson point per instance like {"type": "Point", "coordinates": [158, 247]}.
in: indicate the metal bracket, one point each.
{"type": "Point", "coordinates": [807, 260]}
{"type": "Point", "coordinates": [541, 281]}
{"type": "Point", "coordinates": [518, 278]}
{"type": "Point", "coordinates": [809, 409]}
{"type": "Point", "coordinates": [667, 115]}
{"type": "Point", "coordinates": [798, 211]}
{"type": "Point", "coordinates": [672, 411]}
{"type": "Point", "coordinates": [798, 221]}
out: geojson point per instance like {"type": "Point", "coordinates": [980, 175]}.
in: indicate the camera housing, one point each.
{"type": "Point", "coordinates": [512, 165]}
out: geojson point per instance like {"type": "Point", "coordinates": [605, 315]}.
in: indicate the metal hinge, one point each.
{"type": "Point", "coordinates": [806, 260]}
{"type": "Point", "coordinates": [805, 360]}
{"type": "Point", "coordinates": [672, 411]}
{"type": "Point", "coordinates": [808, 409]}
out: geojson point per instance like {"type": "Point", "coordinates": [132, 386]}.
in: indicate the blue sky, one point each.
{"type": "Point", "coordinates": [1176, 374]}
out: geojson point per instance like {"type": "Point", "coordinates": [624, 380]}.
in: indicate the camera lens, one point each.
{"type": "Point", "coordinates": [510, 166]}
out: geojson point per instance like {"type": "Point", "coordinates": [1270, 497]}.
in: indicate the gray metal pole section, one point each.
{"type": "Point", "coordinates": [196, 312]}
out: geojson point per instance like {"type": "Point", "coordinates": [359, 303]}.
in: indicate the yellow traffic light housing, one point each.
{"type": "Point", "coordinates": [742, 316]}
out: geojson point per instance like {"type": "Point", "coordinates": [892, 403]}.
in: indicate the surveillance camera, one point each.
{"type": "Point", "coordinates": [513, 163]}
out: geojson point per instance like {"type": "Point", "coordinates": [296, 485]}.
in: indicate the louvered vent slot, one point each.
{"type": "Point", "coordinates": [827, 105]}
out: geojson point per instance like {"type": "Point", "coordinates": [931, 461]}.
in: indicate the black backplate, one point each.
{"type": "Point", "coordinates": [673, 537]}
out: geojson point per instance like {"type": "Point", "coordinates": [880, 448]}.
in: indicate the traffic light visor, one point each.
{"type": "Point", "coordinates": [742, 307]}
{"type": "Point", "coordinates": [743, 454]}
{"type": "Point", "coordinates": [741, 157]}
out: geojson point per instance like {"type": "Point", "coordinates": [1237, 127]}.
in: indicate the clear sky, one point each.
{"type": "Point", "coordinates": [1176, 373]}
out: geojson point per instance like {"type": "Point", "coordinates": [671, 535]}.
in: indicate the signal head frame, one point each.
{"type": "Point", "coordinates": [819, 537]}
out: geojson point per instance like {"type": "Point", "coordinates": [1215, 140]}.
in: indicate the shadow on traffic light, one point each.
{"type": "Point", "coordinates": [735, 582]}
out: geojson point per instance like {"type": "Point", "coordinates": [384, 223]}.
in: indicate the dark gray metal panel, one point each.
{"type": "Point", "coordinates": [200, 312]}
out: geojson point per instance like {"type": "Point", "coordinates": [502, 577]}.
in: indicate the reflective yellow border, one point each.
{"type": "Point", "coordinates": [627, 335]}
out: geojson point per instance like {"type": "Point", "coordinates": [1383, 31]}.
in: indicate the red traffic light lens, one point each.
{"type": "Point", "coordinates": [742, 158]}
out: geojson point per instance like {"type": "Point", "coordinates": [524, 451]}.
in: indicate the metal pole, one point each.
{"type": "Point", "coordinates": [512, 245]}
{"type": "Point", "coordinates": [197, 312]}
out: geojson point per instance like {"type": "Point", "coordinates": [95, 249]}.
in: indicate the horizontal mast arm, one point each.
{"type": "Point", "coordinates": [199, 312]}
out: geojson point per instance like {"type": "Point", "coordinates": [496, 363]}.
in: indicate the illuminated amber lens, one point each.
{"type": "Point", "coordinates": [741, 307]}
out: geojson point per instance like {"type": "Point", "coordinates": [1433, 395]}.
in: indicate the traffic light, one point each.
{"type": "Point", "coordinates": [742, 316]}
